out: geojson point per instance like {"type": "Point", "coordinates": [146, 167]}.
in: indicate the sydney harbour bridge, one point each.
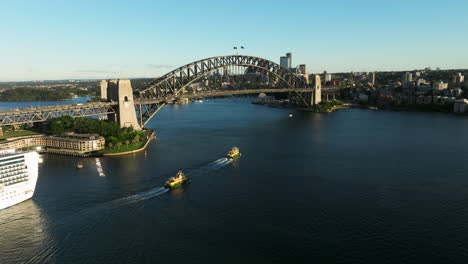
{"type": "Point", "coordinates": [136, 107]}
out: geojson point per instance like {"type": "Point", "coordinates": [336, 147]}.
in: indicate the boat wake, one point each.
{"type": "Point", "coordinates": [100, 214]}
{"type": "Point", "coordinates": [217, 164]}
{"type": "Point", "coordinates": [99, 168]}
{"type": "Point", "coordinates": [154, 192]}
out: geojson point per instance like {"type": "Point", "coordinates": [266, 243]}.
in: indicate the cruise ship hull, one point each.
{"type": "Point", "coordinates": [18, 177]}
{"type": "Point", "coordinates": [16, 200]}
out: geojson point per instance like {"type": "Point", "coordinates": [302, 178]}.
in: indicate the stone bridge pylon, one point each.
{"type": "Point", "coordinates": [120, 91]}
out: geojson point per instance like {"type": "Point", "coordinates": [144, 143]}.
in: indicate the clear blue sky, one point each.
{"type": "Point", "coordinates": [104, 39]}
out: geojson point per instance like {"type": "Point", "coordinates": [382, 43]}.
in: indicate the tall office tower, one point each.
{"type": "Point", "coordinates": [407, 79]}
{"type": "Point", "coordinates": [459, 79]}
{"type": "Point", "coordinates": [289, 56]}
{"type": "Point", "coordinates": [284, 62]}
{"type": "Point", "coordinates": [372, 78]}
{"type": "Point", "coordinates": [303, 68]}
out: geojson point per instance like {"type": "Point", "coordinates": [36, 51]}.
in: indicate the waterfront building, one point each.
{"type": "Point", "coordinates": [69, 143]}
{"type": "Point", "coordinates": [440, 86]}
{"type": "Point", "coordinates": [363, 96]}
{"type": "Point", "coordinates": [427, 99]}
{"type": "Point", "coordinates": [460, 106]}
{"type": "Point", "coordinates": [421, 82]}
{"type": "Point", "coordinates": [289, 56]}
{"type": "Point", "coordinates": [453, 92]}
{"type": "Point", "coordinates": [328, 77]}
{"type": "Point", "coordinates": [424, 88]}
{"type": "Point", "coordinates": [459, 79]}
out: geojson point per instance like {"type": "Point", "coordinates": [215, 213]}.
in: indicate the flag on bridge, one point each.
{"type": "Point", "coordinates": [242, 47]}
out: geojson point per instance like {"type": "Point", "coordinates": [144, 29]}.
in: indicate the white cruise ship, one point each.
{"type": "Point", "coordinates": [18, 176]}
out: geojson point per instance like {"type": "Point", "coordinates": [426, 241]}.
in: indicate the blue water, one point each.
{"type": "Point", "coordinates": [353, 186]}
{"type": "Point", "coordinates": [24, 104]}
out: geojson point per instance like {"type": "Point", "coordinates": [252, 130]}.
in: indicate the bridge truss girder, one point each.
{"type": "Point", "coordinates": [175, 81]}
{"type": "Point", "coordinates": [42, 114]}
{"type": "Point", "coordinates": [146, 111]}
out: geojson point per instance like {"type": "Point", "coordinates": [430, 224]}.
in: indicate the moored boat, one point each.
{"type": "Point", "coordinates": [234, 153]}
{"type": "Point", "coordinates": [176, 181]}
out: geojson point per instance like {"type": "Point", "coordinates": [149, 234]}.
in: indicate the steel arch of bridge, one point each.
{"type": "Point", "coordinates": [173, 82]}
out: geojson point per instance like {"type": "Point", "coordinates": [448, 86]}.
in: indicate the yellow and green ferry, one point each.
{"type": "Point", "coordinates": [234, 153]}
{"type": "Point", "coordinates": [176, 181]}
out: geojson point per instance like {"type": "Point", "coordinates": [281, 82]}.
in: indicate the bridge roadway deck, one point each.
{"type": "Point", "coordinates": [41, 114]}
{"type": "Point", "coordinates": [229, 93]}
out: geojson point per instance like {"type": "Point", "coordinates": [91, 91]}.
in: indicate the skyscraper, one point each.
{"type": "Point", "coordinates": [372, 78]}
{"type": "Point", "coordinates": [284, 62]}
{"type": "Point", "coordinates": [407, 79]}
{"type": "Point", "coordinates": [459, 79]}
{"type": "Point", "coordinates": [289, 56]}
{"type": "Point", "coordinates": [303, 68]}
{"type": "Point", "coordinates": [327, 76]}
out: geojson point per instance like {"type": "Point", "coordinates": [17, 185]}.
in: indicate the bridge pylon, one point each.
{"type": "Point", "coordinates": [310, 97]}
{"type": "Point", "coordinates": [120, 91]}
{"type": "Point", "coordinates": [317, 82]}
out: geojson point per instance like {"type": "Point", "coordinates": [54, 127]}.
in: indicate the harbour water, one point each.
{"type": "Point", "coordinates": [24, 104]}
{"type": "Point", "coordinates": [353, 186]}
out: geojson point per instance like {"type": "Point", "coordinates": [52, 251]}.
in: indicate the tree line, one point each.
{"type": "Point", "coordinates": [111, 131]}
{"type": "Point", "coordinates": [43, 94]}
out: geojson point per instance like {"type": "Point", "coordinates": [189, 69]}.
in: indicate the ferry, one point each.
{"type": "Point", "coordinates": [176, 181]}
{"type": "Point", "coordinates": [234, 153]}
{"type": "Point", "coordinates": [18, 176]}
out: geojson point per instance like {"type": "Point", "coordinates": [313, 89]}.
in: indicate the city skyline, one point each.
{"type": "Point", "coordinates": [54, 40]}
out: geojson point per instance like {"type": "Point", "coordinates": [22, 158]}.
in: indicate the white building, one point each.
{"type": "Point", "coordinates": [407, 79]}
{"type": "Point", "coordinates": [460, 106]}
{"type": "Point", "coordinates": [372, 78]}
{"type": "Point", "coordinates": [459, 79]}
{"type": "Point", "coordinates": [440, 86]}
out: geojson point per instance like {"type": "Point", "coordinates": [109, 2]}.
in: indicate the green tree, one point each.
{"type": "Point", "coordinates": [55, 127]}
{"type": "Point", "coordinates": [112, 139]}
